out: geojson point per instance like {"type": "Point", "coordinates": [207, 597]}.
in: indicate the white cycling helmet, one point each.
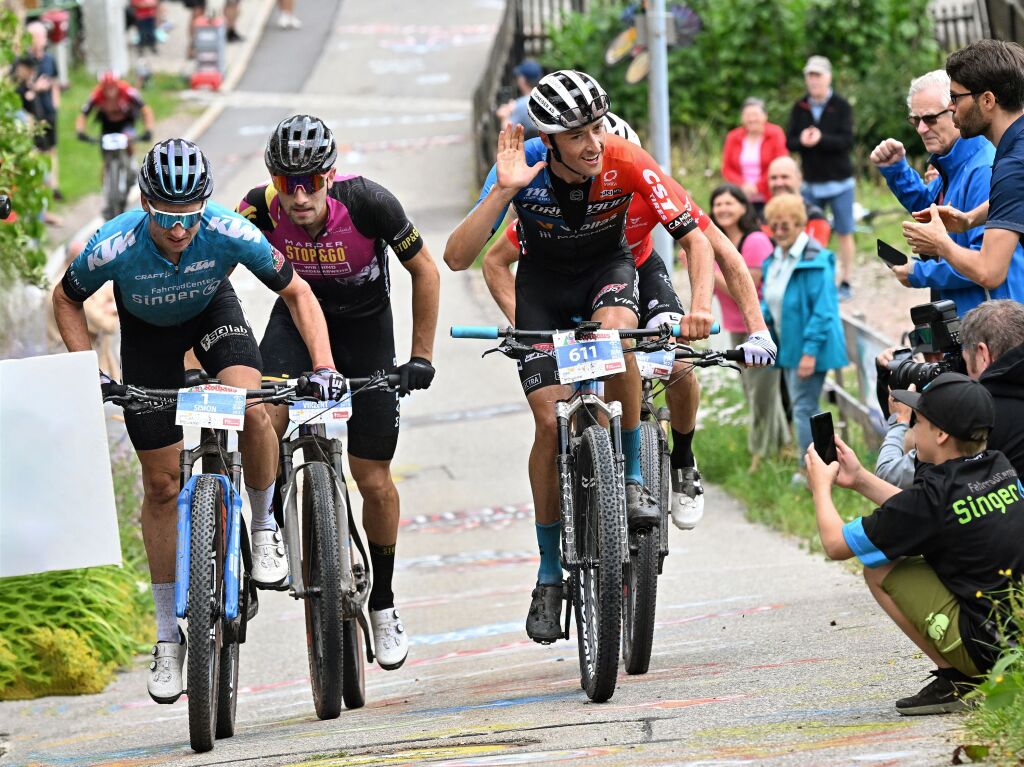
{"type": "Point", "coordinates": [566, 99]}
{"type": "Point", "coordinates": [619, 127]}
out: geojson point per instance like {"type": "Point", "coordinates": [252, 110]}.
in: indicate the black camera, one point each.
{"type": "Point", "coordinates": [936, 331]}
{"type": "Point", "coordinates": [5, 206]}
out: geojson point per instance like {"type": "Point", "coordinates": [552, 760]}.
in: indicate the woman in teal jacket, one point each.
{"type": "Point", "coordinates": [801, 307]}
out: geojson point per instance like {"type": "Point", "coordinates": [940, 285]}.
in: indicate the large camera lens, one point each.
{"type": "Point", "coordinates": [902, 373]}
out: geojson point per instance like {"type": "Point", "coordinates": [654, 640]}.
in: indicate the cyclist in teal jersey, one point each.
{"type": "Point", "coordinates": [170, 262]}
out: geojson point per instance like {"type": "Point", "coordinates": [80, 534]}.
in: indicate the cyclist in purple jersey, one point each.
{"type": "Point", "coordinates": [335, 231]}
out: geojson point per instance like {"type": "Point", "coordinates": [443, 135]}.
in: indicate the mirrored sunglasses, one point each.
{"type": "Point", "coordinates": [308, 182]}
{"type": "Point", "coordinates": [167, 220]}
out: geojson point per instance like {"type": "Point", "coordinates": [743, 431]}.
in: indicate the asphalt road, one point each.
{"type": "Point", "coordinates": [763, 654]}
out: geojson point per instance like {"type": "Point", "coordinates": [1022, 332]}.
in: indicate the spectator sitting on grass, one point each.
{"type": "Point", "coordinates": [938, 556]}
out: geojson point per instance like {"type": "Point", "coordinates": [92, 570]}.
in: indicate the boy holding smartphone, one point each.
{"type": "Point", "coordinates": [938, 556]}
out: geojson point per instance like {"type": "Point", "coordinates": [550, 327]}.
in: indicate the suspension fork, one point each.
{"type": "Point", "coordinates": [566, 472]}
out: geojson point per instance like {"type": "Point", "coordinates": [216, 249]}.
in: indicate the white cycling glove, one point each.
{"type": "Point", "coordinates": [759, 350]}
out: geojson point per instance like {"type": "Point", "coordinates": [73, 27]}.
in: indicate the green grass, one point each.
{"type": "Point", "coordinates": [64, 632]}
{"type": "Point", "coordinates": [769, 497]}
{"type": "Point", "coordinates": [997, 723]}
{"type": "Point", "coordinates": [79, 163]}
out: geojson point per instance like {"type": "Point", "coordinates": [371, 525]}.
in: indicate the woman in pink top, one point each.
{"type": "Point", "coordinates": [732, 212]}
{"type": "Point", "coordinates": [749, 150]}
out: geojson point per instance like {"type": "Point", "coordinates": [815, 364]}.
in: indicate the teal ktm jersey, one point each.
{"type": "Point", "coordinates": [158, 291]}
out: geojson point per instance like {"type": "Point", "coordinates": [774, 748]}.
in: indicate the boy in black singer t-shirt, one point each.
{"type": "Point", "coordinates": [936, 556]}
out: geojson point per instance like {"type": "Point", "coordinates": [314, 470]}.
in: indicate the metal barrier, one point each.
{"type": "Point", "coordinates": [523, 32]}
{"type": "Point", "coordinates": [860, 406]}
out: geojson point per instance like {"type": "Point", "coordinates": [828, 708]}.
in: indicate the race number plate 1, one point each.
{"type": "Point", "coordinates": [211, 406]}
{"type": "Point", "coordinates": [655, 364]}
{"type": "Point", "coordinates": [321, 412]}
{"type": "Point", "coordinates": [597, 355]}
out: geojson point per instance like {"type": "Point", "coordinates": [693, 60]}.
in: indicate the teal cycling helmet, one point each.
{"type": "Point", "coordinates": [176, 172]}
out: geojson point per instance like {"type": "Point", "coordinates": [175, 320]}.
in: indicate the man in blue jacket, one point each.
{"type": "Point", "coordinates": [965, 174]}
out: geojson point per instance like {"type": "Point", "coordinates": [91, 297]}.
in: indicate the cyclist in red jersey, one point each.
{"type": "Point", "coordinates": [659, 303]}
{"type": "Point", "coordinates": [572, 192]}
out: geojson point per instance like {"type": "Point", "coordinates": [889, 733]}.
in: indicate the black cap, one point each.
{"type": "Point", "coordinates": [954, 403]}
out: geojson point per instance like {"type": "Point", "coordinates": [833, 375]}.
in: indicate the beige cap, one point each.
{"type": "Point", "coordinates": [818, 64]}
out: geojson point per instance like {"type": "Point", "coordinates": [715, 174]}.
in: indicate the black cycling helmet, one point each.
{"type": "Point", "coordinates": [300, 144]}
{"type": "Point", "coordinates": [177, 172]}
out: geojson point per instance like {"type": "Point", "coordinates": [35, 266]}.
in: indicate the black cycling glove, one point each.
{"type": "Point", "coordinates": [417, 373]}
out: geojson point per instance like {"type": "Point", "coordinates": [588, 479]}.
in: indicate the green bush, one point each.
{"type": "Point", "coordinates": [22, 171]}
{"type": "Point", "coordinates": [64, 632]}
{"type": "Point", "coordinates": [758, 48]}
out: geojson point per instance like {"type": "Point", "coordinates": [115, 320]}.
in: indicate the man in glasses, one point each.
{"type": "Point", "coordinates": [169, 263]}
{"type": "Point", "coordinates": [336, 231]}
{"type": "Point", "coordinates": [572, 191]}
{"type": "Point", "coordinates": [965, 172]}
{"type": "Point", "coordinates": [987, 91]}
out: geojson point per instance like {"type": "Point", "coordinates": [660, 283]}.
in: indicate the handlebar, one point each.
{"type": "Point", "coordinates": [492, 332]}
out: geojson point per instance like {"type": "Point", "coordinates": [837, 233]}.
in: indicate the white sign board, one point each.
{"type": "Point", "coordinates": [56, 493]}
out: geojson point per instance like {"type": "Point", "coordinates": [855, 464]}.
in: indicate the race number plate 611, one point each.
{"type": "Point", "coordinates": [596, 355]}
{"type": "Point", "coordinates": [211, 406]}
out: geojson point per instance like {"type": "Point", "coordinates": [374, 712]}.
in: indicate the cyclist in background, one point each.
{"type": "Point", "coordinates": [118, 107]}
{"type": "Point", "coordinates": [169, 263]}
{"type": "Point", "coordinates": [335, 230]}
{"type": "Point", "coordinates": [659, 304]}
{"type": "Point", "coordinates": [572, 192]}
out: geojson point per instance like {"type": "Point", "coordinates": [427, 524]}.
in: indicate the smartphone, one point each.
{"type": "Point", "coordinates": [890, 255]}
{"type": "Point", "coordinates": [824, 436]}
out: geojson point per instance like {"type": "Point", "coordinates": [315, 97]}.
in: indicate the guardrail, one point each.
{"type": "Point", "coordinates": [522, 32]}
{"type": "Point", "coordinates": [860, 405]}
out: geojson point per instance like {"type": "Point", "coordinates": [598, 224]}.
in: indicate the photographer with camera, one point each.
{"type": "Point", "coordinates": [987, 345]}
{"type": "Point", "coordinates": [993, 350]}
{"type": "Point", "coordinates": [938, 556]}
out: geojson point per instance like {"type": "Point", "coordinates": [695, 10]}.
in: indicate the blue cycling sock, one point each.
{"type": "Point", "coordinates": [548, 541]}
{"type": "Point", "coordinates": [631, 451]}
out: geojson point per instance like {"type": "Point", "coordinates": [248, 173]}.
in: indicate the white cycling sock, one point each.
{"type": "Point", "coordinates": [259, 501]}
{"type": "Point", "coordinates": [166, 620]}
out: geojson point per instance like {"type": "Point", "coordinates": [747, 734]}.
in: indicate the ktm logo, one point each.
{"type": "Point", "coordinates": [109, 249]}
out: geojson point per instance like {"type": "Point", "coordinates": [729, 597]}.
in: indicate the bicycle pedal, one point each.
{"type": "Point", "coordinates": [546, 641]}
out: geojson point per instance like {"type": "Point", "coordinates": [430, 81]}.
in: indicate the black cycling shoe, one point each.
{"type": "Point", "coordinates": [641, 508]}
{"type": "Point", "coordinates": [544, 621]}
{"type": "Point", "coordinates": [943, 695]}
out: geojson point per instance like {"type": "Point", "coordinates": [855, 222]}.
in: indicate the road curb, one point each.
{"type": "Point", "coordinates": [55, 258]}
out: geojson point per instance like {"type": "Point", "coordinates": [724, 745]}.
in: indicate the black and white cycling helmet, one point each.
{"type": "Point", "coordinates": [176, 172]}
{"type": "Point", "coordinates": [566, 99]}
{"type": "Point", "coordinates": [300, 144]}
{"type": "Point", "coordinates": [619, 127]}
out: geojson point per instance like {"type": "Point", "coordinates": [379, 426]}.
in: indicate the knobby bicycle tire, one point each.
{"type": "Point", "coordinates": [324, 617]}
{"type": "Point", "coordinates": [354, 676]}
{"type": "Point", "coordinates": [205, 598]}
{"type": "Point", "coordinates": [227, 690]}
{"type": "Point", "coordinates": [598, 590]}
{"type": "Point", "coordinates": [640, 579]}
{"type": "Point", "coordinates": [639, 598]}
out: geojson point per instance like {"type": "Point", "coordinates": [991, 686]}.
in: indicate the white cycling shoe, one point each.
{"type": "Point", "coordinates": [390, 642]}
{"type": "Point", "coordinates": [165, 685]}
{"type": "Point", "coordinates": [269, 560]}
{"type": "Point", "coordinates": [687, 498]}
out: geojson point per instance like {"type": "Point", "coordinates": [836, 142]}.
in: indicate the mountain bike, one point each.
{"type": "Point", "coordinates": [648, 548]}
{"type": "Point", "coordinates": [118, 173]}
{"type": "Point", "coordinates": [328, 562]}
{"type": "Point", "coordinates": [590, 463]}
{"type": "Point", "coordinates": [212, 589]}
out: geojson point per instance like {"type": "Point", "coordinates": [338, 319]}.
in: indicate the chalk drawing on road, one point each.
{"type": "Point", "coordinates": [438, 30]}
{"type": "Point", "coordinates": [472, 632]}
{"type": "Point", "coordinates": [396, 66]}
{"type": "Point", "coordinates": [467, 560]}
{"type": "Point", "coordinates": [490, 517]}
{"type": "Point", "coordinates": [531, 757]}
{"type": "Point", "coordinates": [439, 78]}
{"type": "Point", "coordinates": [409, 756]}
